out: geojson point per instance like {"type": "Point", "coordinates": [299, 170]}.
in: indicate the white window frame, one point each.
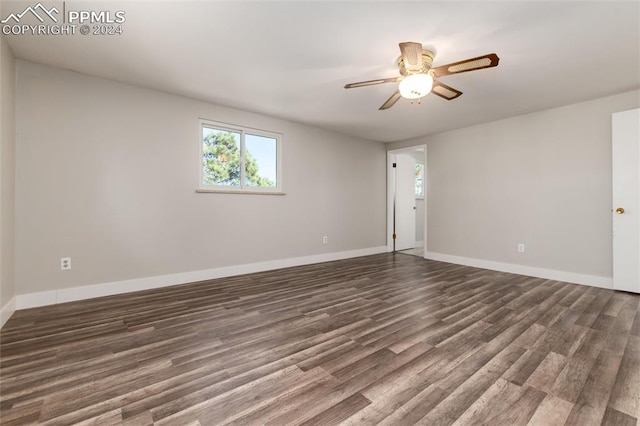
{"type": "Point", "coordinates": [243, 130]}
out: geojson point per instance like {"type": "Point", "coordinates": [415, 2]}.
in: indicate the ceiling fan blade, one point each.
{"type": "Point", "coordinates": [486, 61]}
{"type": "Point", "coordinates": [444, 91]}
{"type": "Point", "coordinates": [412, 56]}
{"type": "Point", "coordinates": [391, 101]}
{"type": "Point", "coordinates": [372, 82]}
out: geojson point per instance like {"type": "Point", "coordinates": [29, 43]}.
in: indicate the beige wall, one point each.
{"type": "Point", "coordinates": [7, 173]}
{"type": "Point", "coordinates": [542, 179]}
{"type": "Point", "coordinates": [106, 174]}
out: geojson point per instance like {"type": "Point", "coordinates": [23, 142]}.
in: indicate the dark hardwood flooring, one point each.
{"type": "Point", "coordinates": [385, 339]}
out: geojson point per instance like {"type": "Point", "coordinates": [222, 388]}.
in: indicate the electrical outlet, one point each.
{"type": "Point", "coordinates": [520, 248]}
{"type": "Point", "coordinates": [325, 240]}
{"type": "Point", "coordinates": [65, 263]}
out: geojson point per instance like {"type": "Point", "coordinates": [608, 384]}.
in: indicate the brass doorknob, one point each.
{"type": "Point", "coordinates": [619, 210]}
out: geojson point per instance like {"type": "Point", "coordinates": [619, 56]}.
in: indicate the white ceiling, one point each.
{"type": "Point", "coordinates": [292, 59]}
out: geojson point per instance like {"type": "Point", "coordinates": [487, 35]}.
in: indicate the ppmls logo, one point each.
{"type": "Point", "coordinates": [52, 22]}
{"type": "Point", "coordinates": [16, 17]}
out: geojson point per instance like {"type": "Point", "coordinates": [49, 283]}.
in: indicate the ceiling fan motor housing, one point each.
{"type": "Point", "coordinates": [427, 61]}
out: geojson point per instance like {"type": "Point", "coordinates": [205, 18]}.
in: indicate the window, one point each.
{"type": "Point", "coordinates": [419, 180]}
{"type": "Point", "coordinates": [237, 159]}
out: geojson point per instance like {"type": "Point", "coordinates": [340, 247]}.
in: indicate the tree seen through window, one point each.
{"type": "Point", "coordinates": [223, 159]}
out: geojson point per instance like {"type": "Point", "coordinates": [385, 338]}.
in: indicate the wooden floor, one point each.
{"type": "Point", "coordinates": [384, 339]}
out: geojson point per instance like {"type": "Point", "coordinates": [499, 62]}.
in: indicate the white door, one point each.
{"type": "Point", "coordinates": [405, 202]}
{"type": "Point", "coordinates": [626, 200]}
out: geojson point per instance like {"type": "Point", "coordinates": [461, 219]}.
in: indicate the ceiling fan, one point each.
{"type": "Point", "coordinates": [417, 78]}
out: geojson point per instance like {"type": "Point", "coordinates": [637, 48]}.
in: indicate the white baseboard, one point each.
{"type": "Point", "coordinates": [550, 274]}
{"type": "Point", "coordinates": [52, 297]}
{"type": "Point", "coordinates": [7, 310]}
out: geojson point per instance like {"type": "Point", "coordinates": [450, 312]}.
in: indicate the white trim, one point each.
{"type": "Point", "coordinates": [33, 300]}
{"type": "Point", "coordinates": [7, 310]}
{"type": "Point", "coordinates": [224, 191]}
{"type": "Point", "coordinates": [24, 301]}
{"type": "Point", "coordinates": [550, 274]}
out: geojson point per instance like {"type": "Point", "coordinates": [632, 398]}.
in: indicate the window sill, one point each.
{"type": "Point", "coordinates": [231, 191]}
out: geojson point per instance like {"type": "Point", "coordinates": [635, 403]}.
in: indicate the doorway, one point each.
{"type": "Point", "coordinates": [406, 200]}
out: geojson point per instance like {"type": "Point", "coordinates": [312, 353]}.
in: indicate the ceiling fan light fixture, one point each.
{"type": "Point", "coordinates": [415, 86]}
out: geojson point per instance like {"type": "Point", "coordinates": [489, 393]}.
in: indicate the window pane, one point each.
{"type": "Point", "coordinates": [419, 180]}
{"type": "Point", "coordinates": [221, 157]}
{"type": "Point", "coordinates": [261, 155]}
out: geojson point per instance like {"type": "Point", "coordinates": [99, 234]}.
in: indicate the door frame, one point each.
{"type": "Point", "coordinates": [391, 194]}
